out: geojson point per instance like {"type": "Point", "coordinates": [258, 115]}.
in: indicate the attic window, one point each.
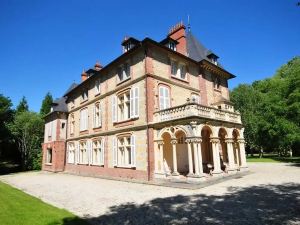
{"type": "Point", "coordinates": [214, 60]}
{"type": "Point", "coordinates": [128, 46]}
{"type": "Point", "coordinates": [84, 95]}
{"type": "Point", "coordinates": [172, 45]}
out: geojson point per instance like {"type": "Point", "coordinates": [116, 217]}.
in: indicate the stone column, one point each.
{"type": "Point", "coordinates": [198, 144]}
{"type": "Point", "coordinates": [175, 172]}
{"type": "Point", "coordinates": [243, 165]}
{"type": "Point", "coordinates": [195, 148]}
{"type": "Point", "coordinates": [216, 156]}
{"type": "Point", "coordinates": [230, 155]}
{"type": "Point", "coordinates": [190, 157]}
{"type": "Point", "coordinates": [161, 156]}
{"type": "Point", "coordinates": [156, 157]}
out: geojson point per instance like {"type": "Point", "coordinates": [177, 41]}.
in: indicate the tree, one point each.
{"type": "Point", "coordinates": [6, 116]}
{"type": "Point", "coordinates": [22, 106]}
{"type": "Point", "coordinates": [270, 110]}
{"type": "Point", "coordinates": [46, 104]}
{"type": "Point", "coordinates": [27, 129]}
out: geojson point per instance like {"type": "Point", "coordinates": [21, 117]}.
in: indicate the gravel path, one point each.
{"type": "Point", "coordinates": [269, 195]}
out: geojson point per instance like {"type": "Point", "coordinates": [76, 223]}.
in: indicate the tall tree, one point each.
{"type": "Point", "coordinates": [22, 106]}
{"type": "Point", "coordinates": [27, 129]}
{"type": "Point", "coordinates": [270, 110]}
{"type": "Point", "coordinates": [6, 116]}
{"type": "Point", "coordinates": [46, 104]}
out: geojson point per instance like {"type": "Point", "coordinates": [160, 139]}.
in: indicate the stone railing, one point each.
{"type": "Point", "coordinates": [196, 110]}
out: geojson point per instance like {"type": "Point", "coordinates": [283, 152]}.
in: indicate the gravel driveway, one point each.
{"type": "Point", "coordinates": [269, 195]}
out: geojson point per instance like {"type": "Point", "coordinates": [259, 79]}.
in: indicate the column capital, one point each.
{"type": "Point", "coordinates": [241, 140]}
{"type": "Point", "coordinates": [159, 142]}
{"type": "Point", "coordinates": [174, 141]}
{"type": "Point", "coordinates": [229, 140]}
{"type": "Point", "coordinates": [194, 140]}
{"type": "Point", "coordinates": [214, 140]}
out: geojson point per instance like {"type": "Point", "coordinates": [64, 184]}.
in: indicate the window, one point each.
{"type": "Point", "coordinates": [124, 72]}
{"type": "Point", "coordinates": [84, 95]}
{"type": "Point", "coordinates": [72, 124]}
{"type": "Point", "coordinates": [72, 104]}
{"type": "Point", "coordinates": [195, 98]}
{"type": "Point", "coordinates": [98, 152]}
{"type": "Point", "coordinates": [172, 45]}
{"type": "Point", "coordinates": [128, 46]}
{"type": "Point", "coordinates": [97, 87]}
{"type": "Point", "coordinates": [164, 98]}
{"type": "Point", "coordinates": [217, 83]}
{"type": "Point", "coordinates": [124, 151]}
{"type": "Point", "coordinates": [178, 70]}
{"type": "Point", "coordinates": [83, 155]}
{"type": "Point", "coordinates": [125, 105]}
{"type": "Point", "coordinates": [84, 119]}
{"type": "Point", "coordinates": [71, 153]}
{"type": "Point", "coordinates": [97, 115]}
{"type": "Point", "coordinates": [49, 156]}
{"type": "Point", "coordinates": [49, 125]}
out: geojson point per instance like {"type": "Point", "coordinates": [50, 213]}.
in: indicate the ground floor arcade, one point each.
{"type": "Point", "coordinates": [196, 151]}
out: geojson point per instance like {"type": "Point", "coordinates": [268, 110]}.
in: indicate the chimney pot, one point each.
{"type": "Point", "coordinates": [84, 76]}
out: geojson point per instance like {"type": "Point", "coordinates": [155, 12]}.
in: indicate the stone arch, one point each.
{"type": "Point", "coordinates": [174, 129]}
{"type": "Point", "coordinates": [223, 134]}
{"type": "Point", "coordinates": [181, 152]}
{"type": "Point", "coordinates": [236, 146]}
{"type": "Point", "coordinates": [206, 146]}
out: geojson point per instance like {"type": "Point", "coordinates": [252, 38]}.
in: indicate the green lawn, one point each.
{"type": "Point", "coordinates": [273, 158]}
{"type": "Point", "coordinates": [18, 208]}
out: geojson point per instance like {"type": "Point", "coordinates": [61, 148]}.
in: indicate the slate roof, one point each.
{"type": "Point", "coordinates": [59, 105]}
{"type": "Point", "coordinates": [73, 85]}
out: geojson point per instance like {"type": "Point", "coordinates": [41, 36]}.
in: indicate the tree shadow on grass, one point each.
{"type": "Point", "coordinates": [267, 204]}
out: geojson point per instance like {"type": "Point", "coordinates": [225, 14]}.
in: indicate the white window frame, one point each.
{"type": "Point", "coordinates": [124, 151]}
{"type": "Point", "coordinates": [84, 119]}
{"type": "Point", "coordinates": [71, 152]}
{"type": "Point", "coordinates": [50, 128]}
{"type": "Point", "coordinates": [124, 72]}
{"type": "Point", "coordinates": [97, 155]}
{"type": "Point", "coordinates": [125, 106]}
{"type": "Point", "coordinates": [97, 88]}
{"type": "Point", "coordinates": [172, 45]}
{"type": "Point", "coordinates": [49, 156]}
{"type": "Point", "coordinates": [83, 152]}
{"type": "Point", "coordinates": [97, 115]}
{"type": "Point", "coordinates": [178, 70]}
{"type": "Point", "coordinates": [164, 97]}
{"type": "Point", "coordinates": [84, 95]}
{"type": "Point", "coordinates": [72, 123]}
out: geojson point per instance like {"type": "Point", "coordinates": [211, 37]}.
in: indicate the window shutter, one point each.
{"type": "Point", "coordinates": [161, 98]}
{"type": "Point", "coordinates": [77, 152]}
{"type": "Point", "coordinates": [102, 151]}
{"type": "Point", "coordinates": [94, 116]}
{"type": "Point", "coordinates": [167, 98]}
{"type": "Point", "coordinates": [115, 151]}
{"type": "Point", "coordinates": [133, 147]}
{"type": "Point", "coordinates": [114, 109]}
{"type": "Point", "coordinates": [132, 102]}
{"type": "Point", "coordinates": [100, 115]}
{"type": "Point", "coordinates": [136, 102]}
{"type": "Point", "coordinates": [90, 151]}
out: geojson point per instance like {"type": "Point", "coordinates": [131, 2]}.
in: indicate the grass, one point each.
{"type": "Point", "coordinates": [18, 208]}
{"type": "Point", "coordinates": [274, 158]}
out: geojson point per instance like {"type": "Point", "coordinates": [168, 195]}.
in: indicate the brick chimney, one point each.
{"type": "Point", "coordinates": [177, 33]}
{"type": "Point", "coordinates": [84, 76]}
{"type": "Point", "coordinates": [98, 66]}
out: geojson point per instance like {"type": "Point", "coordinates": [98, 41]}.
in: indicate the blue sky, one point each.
{"type": "Point", "coordinates": [45, 45]}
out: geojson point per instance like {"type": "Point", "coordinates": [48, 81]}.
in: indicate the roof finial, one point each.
{"type": "Point", "coordinates": [189, 25]}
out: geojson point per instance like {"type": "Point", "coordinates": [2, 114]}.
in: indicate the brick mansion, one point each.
{"type": "Point", "coordinates": [160, 110]}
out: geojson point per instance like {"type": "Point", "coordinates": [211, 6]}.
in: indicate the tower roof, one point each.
{"type": "Point", "coordinates": [195, 49]}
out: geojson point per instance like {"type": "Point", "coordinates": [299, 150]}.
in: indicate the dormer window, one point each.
{"type": "Point", "coordinates": [172, 45]}
{"type": "Point", "coordinates": [129, 43]}
{"type": "Point", "coordinates": [128, 46]}
{"type": "Point", "coordinates": [124, 72]}
{"type": "Point", "coordinates": [212, 57]}
{"type": "Point", "coordinates": [214, 61]}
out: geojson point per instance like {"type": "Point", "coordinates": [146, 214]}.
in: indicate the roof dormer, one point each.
{"type": "Point", "coordinates": [129, 43]}
{"type": "Point", "coordinates": [212, 57]}
{"type": "Point", "coordinates": [170, 43]}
